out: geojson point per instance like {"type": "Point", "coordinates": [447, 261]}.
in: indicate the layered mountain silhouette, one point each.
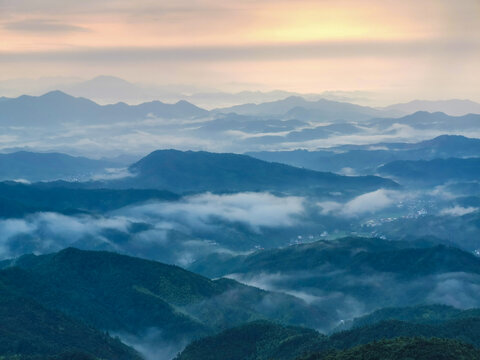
{"type": "Point", "coordinates": [296, 107]}
{"type": "Point", "coordinates": [423, 120]}
{"type": "Point", "coordinates": [366, 159]}
{"type": "Point", "coordinates": [437, 171]}
{"type": "Point", "coordinates": [56, 108]}
{"type": "Point", "coordinates": [33, 166]}
{"type": "Point", "coordinates": [454, 107]}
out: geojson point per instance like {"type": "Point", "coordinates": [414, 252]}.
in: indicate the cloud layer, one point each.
{"type": "Point", "coordinates": [216, 43]}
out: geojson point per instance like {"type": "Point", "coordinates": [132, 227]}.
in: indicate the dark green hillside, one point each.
{"type": "Point", "coordinates": [110, 292]}
{"type": "Point", "coordinates": [265, 340]}
{"type": "Point", "coordinates": [69, 355]}
{"type": "Point", "coordinates": [29, 329]}
{"type": "Point", "coordinates": [126, 294]}
{"type": "Point", "coordinates": [405, 349]}
{"type": "Point", "coordinates": [373, 273]}
{"type": "Point", "coordinates": [417, 262]}
{"type": "Point", "coordinates": [353, 253]}
{"type": "Point", "coordinates": [259, 340]}
{"type": "Point", "coordinates": [466, 330]}
{"type": "Point", "coordinates": [422, 314]}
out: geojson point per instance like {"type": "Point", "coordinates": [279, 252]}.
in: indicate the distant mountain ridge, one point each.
{"type": "Point", "coordinates": [296, 107]}
{"type": "Point", "coordinates": [56, 107]}
{"type": "Point", "coordinates": [32, 166]}
{"type": "Point", "coordinates": [364, 159]}
{"type": "Point", "coordinates": [454, 107]}
{"type": "Point", "coordinates": [437, 171]}
{"type": "Point", "coordinates": [423, 120]}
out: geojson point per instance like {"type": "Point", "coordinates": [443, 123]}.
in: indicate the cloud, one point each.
{"type": "Point", "coordinates": [255, 210]}
{"type": "Point", "coordinates": [152, 344]}
{"type": "Point", "coordinates": [348, 171]}
{"type": "Point", "coordinates": [329, 207]}
{"type": "Point", "coordinates": [113, 173]}
{"type": "Point", "coordinates": [42, 26]}
{"type": "Point", "coordinates": [235, 53]}
{"type": "Point", "coordinates": [346, 295]}
{"type": "Point", "coordinates": [456, 289]}
{"type": "Point", "coordinates": [368, 203]}
{"type": "Point", "coordinates": [48, 232]}
{"type": "Point", "coordinates": [458, 211]}
{"type": "Point", "coordinates": [172, 232]}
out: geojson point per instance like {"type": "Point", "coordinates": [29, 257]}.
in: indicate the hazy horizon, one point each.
{"type": "Point", "coordinates": [393, 51]}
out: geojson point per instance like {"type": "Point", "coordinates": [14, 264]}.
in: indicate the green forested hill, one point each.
{"type": "Point", "coordinates": [259, 340]}
{"type": "Point", "coordinates": [422, 314]}
{"type": "Point", "coordinates": [405, 349]}
{"type": "Point", "coordinates": [29, 329]}
{"type": "Point", "coordinates": [309, 256]}
{"type": "Point", "coordinates": [352, 254]}
{"type": "Point", "coordinates": [466, 330]}
{"type": "Point", "coordinates": [372, 273]}
{"type": "Point", "coordinates": [126, 294]}
{"type": "Point", "coordinates": [266, 340]}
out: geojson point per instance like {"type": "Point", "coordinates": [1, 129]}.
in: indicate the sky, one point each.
{"type": "Point", "coordinates": [398, 50]}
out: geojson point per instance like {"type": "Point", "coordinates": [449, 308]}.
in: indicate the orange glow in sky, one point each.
{"type": "Point", "coordinates": [403, 47]}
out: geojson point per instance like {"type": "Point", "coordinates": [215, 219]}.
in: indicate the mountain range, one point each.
{"type": "Point", "coordinates": [112, 89]}
{"type": "Point", "coordinates": [56, 108]}
{"type": "Point", "coordinates": [453, 107]}
{"type": "Point", "coordinates": [423, 120]}
{"type": "Point", "coordinates": [187, 171]}
{"type": "Point", "coordinates": [32, 166]}
{"type": "Point", "coordinates": [436, 172]}
{"type": "Point", "coordinates": [365, 159]}
{"type": "Point", "coordinates": [291, 227]}
{"type": "Point", "coordinates": [296, 107]}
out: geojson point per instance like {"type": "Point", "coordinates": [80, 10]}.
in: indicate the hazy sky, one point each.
{"type": "Point", "coordinates": [400, 49]}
